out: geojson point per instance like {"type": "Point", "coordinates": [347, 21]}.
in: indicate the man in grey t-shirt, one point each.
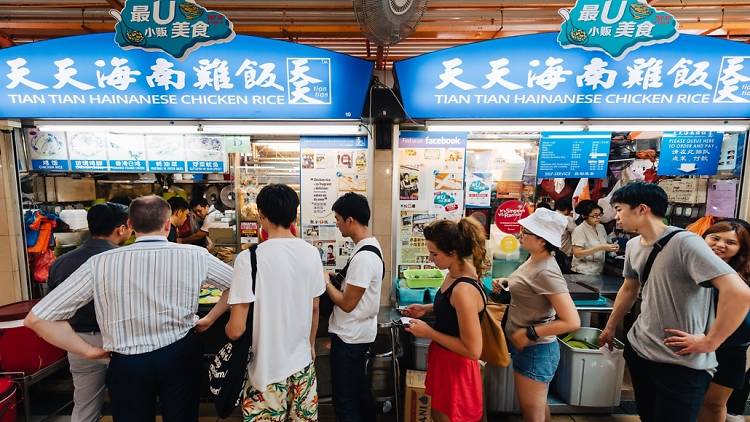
{"type": "Point", "coordinates": [670, 351]}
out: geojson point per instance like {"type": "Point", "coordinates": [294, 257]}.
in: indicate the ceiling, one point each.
{"type": "Point", "coordinates": [331, 23]}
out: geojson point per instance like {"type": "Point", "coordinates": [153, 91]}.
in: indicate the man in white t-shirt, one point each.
{"type": "Point", "coordinates": [354, 322]}
{"type": "Point", "coordinates": [289, 281]}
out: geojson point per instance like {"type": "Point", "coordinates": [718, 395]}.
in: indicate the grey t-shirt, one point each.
{"type": "Point", "coordinates": [528, 286]}
{"type": "Point", "coordinates": [673, 296]}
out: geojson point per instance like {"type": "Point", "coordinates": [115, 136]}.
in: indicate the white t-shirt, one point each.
{"type": "Point", "coordinates": [289, 276]}
{"type": "Point", "coordinates": [586, 236]}
{"type": "Point", "coordinates": [361, 324]}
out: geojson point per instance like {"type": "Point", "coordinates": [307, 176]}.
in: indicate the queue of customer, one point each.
{"type": "Point", "coordinates": [148, 322]}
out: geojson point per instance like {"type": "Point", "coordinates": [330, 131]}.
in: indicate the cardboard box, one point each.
{"type": "Point", "coordinates": [416, 402]}
{"type": "Point", "coordinates": [685, 191]}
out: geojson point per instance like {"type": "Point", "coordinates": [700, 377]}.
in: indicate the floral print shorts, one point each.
{"type": "Point", "coordinates": [295, 399]}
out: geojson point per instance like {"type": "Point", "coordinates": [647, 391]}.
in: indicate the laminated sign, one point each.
{"type": "Point", "coordinates": [615, 27]}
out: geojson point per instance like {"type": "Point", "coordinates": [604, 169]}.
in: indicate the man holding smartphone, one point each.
{"type": "Point", "coordinates": [354, 322]}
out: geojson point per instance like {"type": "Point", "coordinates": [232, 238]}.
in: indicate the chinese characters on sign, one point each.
{"type": "Point", "coordinates": [566, 154]}
{"type": "Point", "coordinates": [689, 153]}
{"type": "Point", "coordinates": [180, 29]}
{"type": "Point", "coordinates": [693, 77]}
{"type": "Point", "coordinates": [615, 27]}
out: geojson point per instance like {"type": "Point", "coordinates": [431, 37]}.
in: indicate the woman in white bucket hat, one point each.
{"type": "Point", "coordinates": [540, 309]}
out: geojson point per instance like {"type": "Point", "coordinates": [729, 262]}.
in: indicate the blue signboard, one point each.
{"type": "Point", "coordinates": [532, 77]}
{"type": "Point", "coordinates": [50, 165]}
{"type": "Point", "coordinates": [89, 76]}
{"type": "Point", "coordinates": [89, 165]}
{"type": "Point", "coordinates": [333, 142]}
{"type": "Point", "coordinates": [127, 166]}
{"type": "Point", "coordinates": [566, 154]}
{"type": "Point", "coordinates": [596, 25]}
{"type": "Point", "coordinates": [689, 153]}
{"type": "Point", "coordinates": [205, 167]}
{"type": "Point", "coordinates": [166, 166]}
{"type": "Point", "coordinates": [419, 139]}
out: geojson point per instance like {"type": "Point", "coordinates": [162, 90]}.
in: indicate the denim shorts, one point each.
{"type": "Point", "coordinates": [538, 362]}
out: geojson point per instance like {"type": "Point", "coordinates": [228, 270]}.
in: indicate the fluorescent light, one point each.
{"type": "Point", "coordinates": [469, 126]}
{"type": "Point", "coordinates": [499, 144]}
{"type": "Point", "coordinates": [118, 127]}
{"type": "Point", "coordinates": [286, 128]}
{"type": "Point", "coordinates": [661, 127]}
{"type": "Point", "coordinates": [205, 127]}
{"type": "Point", "coordinates": [280, 146]}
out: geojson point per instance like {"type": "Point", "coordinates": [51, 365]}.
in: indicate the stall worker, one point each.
{"type": "Point", "coordinates": [589, 240]}
{"type": "Point", "coordinates": [179, 216]}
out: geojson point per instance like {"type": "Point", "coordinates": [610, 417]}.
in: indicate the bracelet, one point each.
{"type": "Point", "coordinates": [531, 333]}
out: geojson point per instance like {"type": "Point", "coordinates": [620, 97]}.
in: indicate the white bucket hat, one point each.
{"type": "Point", "coordinates": [546, 224]}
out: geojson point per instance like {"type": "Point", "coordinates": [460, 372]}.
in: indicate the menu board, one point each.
{"type": "Point", "coordinates": [123, 153]}
{"type": "Point", "coordinates": [566, 154]}
{"type": "Point", "coordinates": [330, 167]}
{"type": "Point", "coordinates": [48, 151]}
{"type": "Point", "coordinates": [127, 153]}
{"type": "Point", "coordinates": [431, 186]}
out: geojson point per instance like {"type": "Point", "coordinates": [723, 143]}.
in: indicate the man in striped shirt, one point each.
{"type": "Point", "coordinates": [146, 297]}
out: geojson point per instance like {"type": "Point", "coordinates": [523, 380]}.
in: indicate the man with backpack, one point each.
{"type": "Point", "coordinates": [670, 350]}
{"type": "Point", "coordinates": [354, 322]}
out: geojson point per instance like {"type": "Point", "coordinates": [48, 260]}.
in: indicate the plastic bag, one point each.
{"type": "Point", "coordinates": [702, 224]}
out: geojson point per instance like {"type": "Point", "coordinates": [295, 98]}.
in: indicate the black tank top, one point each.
{"type": "Point", "coordinates": [446, 319]}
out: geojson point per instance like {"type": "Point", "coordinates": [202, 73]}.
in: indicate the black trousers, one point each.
{"type": "Point", "coordinates": [738, 399]}
{"type": "Point", "coordinates": [172, 374]}
{"type": "Point", "coordinates": [352, 395]}
{"type": "Point", "coordinates": [665, 392]}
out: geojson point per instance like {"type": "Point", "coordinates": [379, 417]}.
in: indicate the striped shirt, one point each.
{"type": "Point", "coordinates": [145, 294]}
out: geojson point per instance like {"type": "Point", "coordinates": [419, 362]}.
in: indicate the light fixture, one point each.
{"type": "Point", "coordinates": [476, 126]}
{"type": "Point", "coordinates": [279, 146]}
{"type": "Point", "coordinates": [661, 127]}
{"type": "Point", "coordinates": [116, 127]}
{"type": "Point", "coordinates": [498, 145]}
{"type": "Point", "coordinates": [286, 128]}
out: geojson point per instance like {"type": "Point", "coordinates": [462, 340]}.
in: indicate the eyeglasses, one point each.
{"type": "Point", "coordinates": [525, 232]}
{"type": "Point", "coordinates": [594, 216]}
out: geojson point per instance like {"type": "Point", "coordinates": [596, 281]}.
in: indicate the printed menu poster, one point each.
{"type": "Point", "coordinates": [48, 150]}
{"type": "Point", "coordinates": [166, 153]}
{"type": "Point", "coordinates": [569, 154]}
{"type": "Point", "coordinates": [205, 154]}
{"type": "Point", "coordinates": [478, 190]}
{"type": "Point", "coordinates": [431, 169]}
{"type": "Point", "coordinates": [88, 151]}
{"type": "Point", "coordinates": [127, 153]}
{"type": "Point", "coordinates": [330, 167]}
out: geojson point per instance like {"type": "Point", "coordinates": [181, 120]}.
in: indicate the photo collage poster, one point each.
{"type": "Point", "coordinates": [331, 167]}
{"type": "Point", "coordinates": [430, 187]}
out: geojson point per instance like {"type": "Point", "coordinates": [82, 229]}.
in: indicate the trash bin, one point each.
{"type": "Point", "coordinates": [587, 377]}
{"type": "Point", "coordinates": [420, 353]}
{"type": "Point", "coordinates": [500, 389]}
{"type": "Point", "coordinates": [21, 350]}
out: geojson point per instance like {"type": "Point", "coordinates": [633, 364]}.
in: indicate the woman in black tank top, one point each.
{"type": "Point", "coordinates": [453, 377]}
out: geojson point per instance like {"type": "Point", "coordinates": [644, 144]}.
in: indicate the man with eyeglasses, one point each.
{"type": "Point", "coordinates": [108, 229]}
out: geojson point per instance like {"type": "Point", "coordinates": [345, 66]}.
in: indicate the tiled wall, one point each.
{"type": "Point", "coordinates": [382, 212]}
{"type": "Point", "coordinates": [10, 235]}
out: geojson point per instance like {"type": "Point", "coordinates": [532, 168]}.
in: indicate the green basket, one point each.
{"type": "Point", "coordinates": [418, 279]}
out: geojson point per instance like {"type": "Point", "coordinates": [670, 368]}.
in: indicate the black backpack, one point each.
{"type": "Point", "coordinates": [228, 372]}
{"type": "Point", "coordinates": [326, 304]}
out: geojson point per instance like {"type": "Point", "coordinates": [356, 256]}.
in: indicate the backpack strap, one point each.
{"type": "Point", "coordinates": [658, 247]}
{"type": "Point", "coordinates": [369, 248]}
{"type": "Point", "coordinates": [253, 273]}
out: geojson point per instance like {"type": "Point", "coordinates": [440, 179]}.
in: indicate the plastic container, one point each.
{"type": "Point", "coordinates": [590, 378]}
{"type": "Point", "coordinates": [420, 353]}
{"type": "Point", "coordinates": [7, 400]}
{"type": "Point", "coordinates": [500, 389]}
{"type": "Point", "coordinates": [21, 350]}
{"type": "Point", "coordinates": [417, 279]}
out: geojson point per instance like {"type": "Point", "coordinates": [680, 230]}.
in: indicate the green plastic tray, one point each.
{"type": "Point", "coordinates": [417, 279]}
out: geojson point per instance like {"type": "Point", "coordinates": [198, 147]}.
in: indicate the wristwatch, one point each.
{"type": "Point", "coordinates": [531, 333]}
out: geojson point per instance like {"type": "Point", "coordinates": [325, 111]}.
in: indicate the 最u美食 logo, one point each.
{"type": "Point", "coordinates": [176, 27]}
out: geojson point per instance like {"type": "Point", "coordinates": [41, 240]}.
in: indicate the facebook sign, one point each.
{"type": "Point", "coordinates": [89, 76]}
